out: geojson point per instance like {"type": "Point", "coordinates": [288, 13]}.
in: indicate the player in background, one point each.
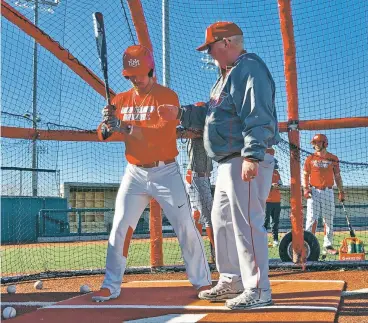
{"type": "Point", "coordinates": [152, 172]}
{"type": "Point", "coordinates": [198, 183]}
{"type": "Point", "coordinates": [321, 170]}
{"type": "Point", "coordinates": [273, 205]}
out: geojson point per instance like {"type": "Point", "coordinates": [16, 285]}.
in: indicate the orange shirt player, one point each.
{"type": "Point", "coordinates": [321, 170]}
{"type": "Point", "coordinates": [152, 172]}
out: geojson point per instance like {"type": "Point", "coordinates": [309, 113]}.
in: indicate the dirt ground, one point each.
{"type": "Point", "coordinates": [352, 309]}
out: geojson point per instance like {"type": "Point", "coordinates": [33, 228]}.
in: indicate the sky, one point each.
{"type": "Point", "coordinates": [332, 55]}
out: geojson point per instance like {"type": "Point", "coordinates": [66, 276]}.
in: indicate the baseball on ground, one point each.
{"type": "Point", "coordinates": [11, 289]}
{"type": "Point", "coordinates": [9, 312]}
{"type": "Point", "coordinates": [38, 284]}
{"type": "Point", "coordinates": [84, 289]}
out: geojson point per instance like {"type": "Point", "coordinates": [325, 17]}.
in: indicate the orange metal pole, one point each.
{"type": "Point", "coordinates": [140, 24]}
{"type": "Point", "coordinates": [54, 47]}
{"type": "Point", "coordinates": [144, 39]}
{"type": "Point", "coordinates": [323, 124]}
{"type": "Point", "coordinates": [358, 122]}
{"type": "Point", "coordinates": [296, 216]}
{"type": "Point", "coordinates": [59, 135]}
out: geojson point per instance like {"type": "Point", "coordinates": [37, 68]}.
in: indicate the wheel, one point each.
{"type": "Point", "coordinates": [311, 245]}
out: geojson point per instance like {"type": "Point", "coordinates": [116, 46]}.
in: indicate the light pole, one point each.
{"type": "Point", "coordinates": [165, 44]}
{"type": "Point", "coordinates": [48, 8]}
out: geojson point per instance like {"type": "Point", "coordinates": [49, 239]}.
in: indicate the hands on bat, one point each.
{"type": "Point", "coordinates": [112, 123]}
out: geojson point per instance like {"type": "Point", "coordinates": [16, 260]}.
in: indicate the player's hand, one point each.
{"type": "Point", "coordinates": [109, 118]}
{"type": "Point", "coordinates": [112, 123]}
{"type": "Point", "coordinates": [249, 170]}
{"type": "Point", "coordinates": [108, 112]}
{"type": "Point", "coordinates": [341, 196]}
{"type": "Point", "coordinates": [168, 112]}
{"type": "Point", "coordinates": [307, 193]}
{"type": "Point", "coordinates": [275, 185]}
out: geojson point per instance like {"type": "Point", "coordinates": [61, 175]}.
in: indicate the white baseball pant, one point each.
{"type": "Point", "coordinates": [238, 216]}
{"type": "Point", "coordinates": [200, 195]}
{"type": "Point", "coordinates": [321, 203]}
{"type": "Point", "coordinates": [165, 184]}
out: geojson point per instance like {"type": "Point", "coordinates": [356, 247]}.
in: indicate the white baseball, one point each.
{"type": "Point", "coordinates": [38, 284]}
{"type": "Point", "coordinates": [9, 312]}
{"type": "Point", "coordinates": [84, 289]}
{"type": "Point", "coordinates": [11, 289]}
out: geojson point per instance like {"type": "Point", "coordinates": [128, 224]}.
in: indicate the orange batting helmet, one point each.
{"type": "Point", "coordinates": [137, 60]}
{"type": "Point", "coordinates": [320, 137]}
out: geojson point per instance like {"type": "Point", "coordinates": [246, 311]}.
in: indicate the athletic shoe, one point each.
{"type": "Point", "coordinates": [275, 243]}
{"type": "Point", "coordinates": [104, 294]}
{"type": "Point", "coordinates": [225, 289]}
{"type": "Point", "coordinates": [250, 298]}
{"type": "Point", "coordinates": [331, 250]}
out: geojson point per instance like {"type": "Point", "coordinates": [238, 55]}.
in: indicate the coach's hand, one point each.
{"type": "Point", "coordinates": [307, 193]}
{"type": "Point", "coordinates": [168, 112]}
{"type": "Point", "coordinates": [341, 196]}
{"type": "Point", "coordinates": [249, 169]}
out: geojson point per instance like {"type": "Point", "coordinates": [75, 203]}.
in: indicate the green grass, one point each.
{"type": "Point", "coordinates": [52, 257]}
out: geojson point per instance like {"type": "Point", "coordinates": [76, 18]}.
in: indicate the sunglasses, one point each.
{"type": "Point", "coordinates": [209, 46]}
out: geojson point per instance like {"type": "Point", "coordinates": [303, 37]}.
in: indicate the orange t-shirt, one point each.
{"type": "Point", "coordinates": [275, 195]}
{"type": "Point", "coordinates": [321, 170]}
{"type": "Point", "coordinates": [157, 143]}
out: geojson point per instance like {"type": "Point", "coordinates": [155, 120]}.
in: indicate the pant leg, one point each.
{"type": "Point", "coordinates": [131, 201]}
{"type": "Point", "coordinates": [167, 187]}
{"type": "Point", "coordinates": [247, 204]}
{"type": "Point", "coordinates": [328, 213]}
{"type": "Point", "coordinates": [276, 210]}
{"type": "Point", "coordinates": [202, 185]}
{"type": "Point", "coordinates": [312, 210]}
{"type": "Point", "coordinates": [268, 215]}
{"type": "Point", "coordinates": [227, 261]}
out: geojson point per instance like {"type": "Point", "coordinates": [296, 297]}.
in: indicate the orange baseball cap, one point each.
{"type": "Point", "coordinates": [218, 31]}
{"type": "Point", "coordinates": [137, 60]}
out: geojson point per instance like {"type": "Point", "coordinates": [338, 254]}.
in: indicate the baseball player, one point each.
{"type": "Point", "coordinates": [240, 124]}
{"type": "Point", "coordinates": [273, 205]}
{"type": "Point", "coordinates": [152, 172]}
{"type": "Point", "coordinates": [199, 185]}
{"type": "Point", "coordinates": [321, 170]}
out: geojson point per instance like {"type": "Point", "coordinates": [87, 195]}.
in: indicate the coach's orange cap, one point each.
{"type": "Point", "coordinates": [218, 31]}
{"type": "Point", "coordinates": [137, 60]}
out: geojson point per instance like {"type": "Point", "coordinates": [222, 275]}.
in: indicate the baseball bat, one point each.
{"type": "Point", "coordinates": [352, 233]}
{"type": "Point", "coordinates": [100, 36]}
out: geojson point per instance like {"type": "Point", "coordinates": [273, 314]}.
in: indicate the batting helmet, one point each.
{"type": "Point", "coordinates": [320, 137]}
{"type": "Point", "coordinates": [137, 60]}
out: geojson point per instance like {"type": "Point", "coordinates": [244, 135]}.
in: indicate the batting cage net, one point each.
{"type": "Point", "coordinates": [59, 183]}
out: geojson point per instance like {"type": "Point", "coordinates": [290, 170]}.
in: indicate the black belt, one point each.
{"type": "Point", "coordinates": [228, 157]}
{"type": "Point", "coordinates": [201, 174]}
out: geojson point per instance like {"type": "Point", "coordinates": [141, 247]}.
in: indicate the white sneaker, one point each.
{"type": "Point", "coordinates": [225, 289]}
{"type": "Point", "coordinates": [104, 294]}
{"type": "Point", "coordinates": [251, 298]}
{"type": "Point", "coordinates": [275, 243]}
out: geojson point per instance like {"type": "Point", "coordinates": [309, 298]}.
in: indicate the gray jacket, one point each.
{"type": "Point", "coordinates": [241, 114]}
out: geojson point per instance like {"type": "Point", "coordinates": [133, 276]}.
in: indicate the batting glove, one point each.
{"type": "Point", "coordinates": [341, 196]}
{"type": "Point", "coordinates": [112, 122]}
